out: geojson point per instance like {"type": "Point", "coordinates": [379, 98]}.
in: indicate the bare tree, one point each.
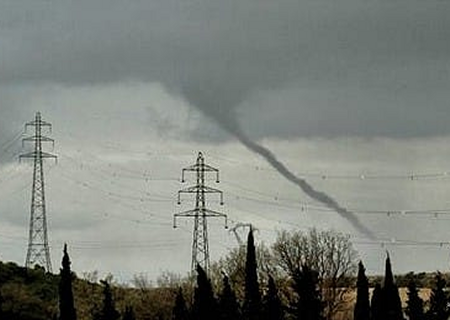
{"type": "Point", "coordinates": [329, 253]}
{"type": "Point", "coordinates": [233, 265]}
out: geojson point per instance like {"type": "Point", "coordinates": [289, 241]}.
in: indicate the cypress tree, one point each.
{"type": "Point", "coordinates": [129, 314]}
{"type": "Point", "coordinates": [180, 311]}
{"type": "Point", "coordinates": [392, 306]}
{"type": "Point", "coordinates": [205, 305]}
{"type": "Point", "coordinates": [439, 309]}
{"type": "Point", "coordinates": [388, 275]}
{"type": "Point", "coordinates": [309, 305]}
{"type": "Point", "coordinates": [109, 311]}
{"type": "Point", "coordinates": [1, 304]}
{"type": "Point", "coordinates": [414, 308]}
{"type": "Point", "coordinates": [252, 299]}
{"type": "Point", "coordinates": [66, 305]}
{"type": "Point", "coordinates": [272, 307]}
{"type": "Point", "coordinates": [228, 305]}
{"type": "Point", "coordinates": [362, 306]}
{"type": "Point", "coordinates": [376, 306]}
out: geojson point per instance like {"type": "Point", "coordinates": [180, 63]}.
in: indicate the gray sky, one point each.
{"type": "Point", "coordinates": [134, 89]}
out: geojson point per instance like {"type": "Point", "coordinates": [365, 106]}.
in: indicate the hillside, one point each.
{"type": "Point", "coordinates": [32, 294]}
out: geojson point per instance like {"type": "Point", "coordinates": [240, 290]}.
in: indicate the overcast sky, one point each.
{"type": "Point", "coordinates": [338, 90]}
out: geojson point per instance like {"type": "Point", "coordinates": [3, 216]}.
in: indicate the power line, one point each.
{"type": "Point", "coordinates": [112, 178]}
{"type": "Point", "coordinates": [310, 207]}
{"type": "Point", "coordinates": [111, 194]}
{"type": "Point", "coordinates": [5, 146]}
{"type": "Point", "coordinates": [284, 202]}
{"type": "Point", "coordinates": [8, 145]}
{"type": "Point", "coordinates": [276, 201]}
{"type": "Point", "coordinates": [363, 176]}
{"type": "Point", "coordinates": [116, 200]}
{"type": "Point", "coordinates": [367, 175]}
{"type": "Point", "coordinates": [307, 206]}
{"type": "Point", "coordinates": [405, 243]}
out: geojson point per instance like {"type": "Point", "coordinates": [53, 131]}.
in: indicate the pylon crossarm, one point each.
{"type": "Point", "coordinates": [195, 212]}
{"type": "Point", "coordinates": [188, 190]}
{"type": "Point", "coordinates": [204, 189]}
{"type": "Point", "coordinates": [34, 139]}
{"type": "Point", "coordinates": [207, 167]}
{"type": "Point", "coordinates": [207, 189]}
{"type": "Point", "coordinates": [29, 155]}
{"type": "Point", "coordinates": [242, 225]}
{"type": "Point", "coordinates": [212, 190]}
{"type": "Point", "coordinates": [192, 189]}
{"type": "Point", "coordinates": [35, 123]}
{"type": "Point", "coordinates": [187, 214]}
{"type": "Point", "coordinates": [215, 214]}
{"type": "Point", "coordinates": [48, 155]}
{"type": "Point", "coordinates": [196, 167]}
{"type": "Point", "coordinates": [34, 154]}
{"type": "Point", "coordinates": [184, 214]}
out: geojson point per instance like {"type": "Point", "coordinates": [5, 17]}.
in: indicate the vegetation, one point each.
{"type": "Point", "coordinates": [272, 306]}
{"type": "Point", "coordinates": [414, 308]}
{"type": "Point", "coordinates": [328, 253]}
{"type": "Point", "coordinates": [205, 304]}
{"type": "Point", "coordinates": [66, 303]}
{"type": "Point", "coordinates": [439, 302]}
{"type": "Point", "coordinates": [108, 310]}
{"type": "Point", "coordinates": [390, 297]}
{"type": "Point", "coordinates": [180, 311]}
{"type": "Point", "coordinates": [129, 314]}
{"type": "Point", "coordinates": [27, 294]}
{"type": "Point", "coordinates": [308, 304]}
{"type": "Point", "coordinates": [228, 305]}
{"type": "Point", "coordinates": [252, 301]}
{"type": "Point", "coordinates": [362, 306]}
{"type": "Point", "coordinates": [288, 281]}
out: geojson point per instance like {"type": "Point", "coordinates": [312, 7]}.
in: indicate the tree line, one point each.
{"type": "Point", "coordinates": [305, 275]}
{"type": "Point", "coordinates": [307, 298]}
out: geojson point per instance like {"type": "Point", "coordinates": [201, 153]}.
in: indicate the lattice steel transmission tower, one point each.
{"type": "Point", "coordinates": [38, 251]}
{"type": "Point", "coordinates": [200, 246]}
{"type": "Point", "coordinates": [241, 225]}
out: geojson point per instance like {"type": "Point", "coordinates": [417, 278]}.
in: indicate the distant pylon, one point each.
{"type": "Point", "coordinates": [200, 246]}
{"type": "Point", "coordinates": [38, 251]}
{"type": "Point", "coordinates": [236, 234]}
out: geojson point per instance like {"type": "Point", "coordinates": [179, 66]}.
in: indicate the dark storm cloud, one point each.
{"type": "Point", "coordinates": [333, 68]}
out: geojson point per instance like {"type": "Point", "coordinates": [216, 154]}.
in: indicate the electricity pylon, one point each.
{"type": "Point", "coordinates": [200, 246]}
{"type": "Point", "coordinates": [240, 225]}
{"type": "Point", "coordinates": [38, 251]}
